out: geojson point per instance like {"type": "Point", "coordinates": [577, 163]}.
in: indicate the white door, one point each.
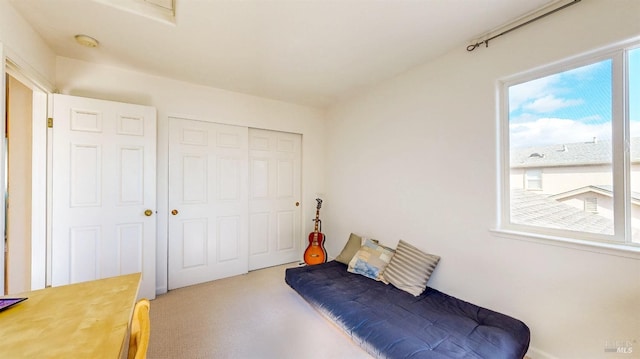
{"type": "Point", "coordinates": [207, 200]}
{"type": "Point", "coordinates": [274, 198]}
{"type": "Point", "coordinates": [104, 180]}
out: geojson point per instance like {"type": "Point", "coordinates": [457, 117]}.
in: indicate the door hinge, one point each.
{"type": "Point", "coordinates": [50, 122]}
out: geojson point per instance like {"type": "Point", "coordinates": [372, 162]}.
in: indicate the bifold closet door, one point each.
{"type": "Point", "coordinates": [208, 181]}
{"type": "Point", "coordinates": [274, 198]}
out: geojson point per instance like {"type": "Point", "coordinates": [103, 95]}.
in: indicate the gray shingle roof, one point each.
{"type": "Point", "coordinates": [603, 189]}
{"type": "Point", "coordinates": [539, 210]}
{"type": "Point", "coordinates": [571, 154]}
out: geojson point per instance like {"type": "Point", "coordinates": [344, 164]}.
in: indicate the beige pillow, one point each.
{"type": "Point", "coordinates": [410, 268]}
{"type": "Point", "coordinates": [353, 245]}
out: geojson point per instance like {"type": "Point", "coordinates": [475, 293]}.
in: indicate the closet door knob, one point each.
{"type": "Point", "coordinates": [148, 213]}
{"type": "Point", "coordinates": [174, 212]}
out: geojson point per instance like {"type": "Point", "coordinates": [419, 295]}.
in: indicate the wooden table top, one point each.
{"type": "Point", "coordinates": [83, 320]}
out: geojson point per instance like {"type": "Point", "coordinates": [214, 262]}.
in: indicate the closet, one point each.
{"type": "Point", "coordinates": [234, 200]}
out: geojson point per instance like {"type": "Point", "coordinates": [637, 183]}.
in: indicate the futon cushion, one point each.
{"type": "Point", "coordinates": [410, 268]}
{"type": "Point", "coordinates": [371, 260]}
{"type": "Point", "coordinates": [390, 323]}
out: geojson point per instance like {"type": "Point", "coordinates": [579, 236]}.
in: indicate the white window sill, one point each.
{"type": "Point", "coordinates": [619, 250]}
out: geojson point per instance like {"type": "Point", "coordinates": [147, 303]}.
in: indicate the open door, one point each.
{"type": "Point", "coordinates": [104, 191]}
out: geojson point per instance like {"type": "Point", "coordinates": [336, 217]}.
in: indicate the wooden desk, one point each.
{"type": "Point", "coordinates": [83, 320]}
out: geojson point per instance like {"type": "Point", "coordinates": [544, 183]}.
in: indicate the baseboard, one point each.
{"type": "Point", "coordinates": [535, 353]}
{"type": "Point", "coordinates": [161, 290]}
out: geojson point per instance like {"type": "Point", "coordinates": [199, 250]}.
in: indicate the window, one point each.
{"type": "Point", "coordinates": [533, 179]}
{"type": "Point", "coordinates": [571, 122]}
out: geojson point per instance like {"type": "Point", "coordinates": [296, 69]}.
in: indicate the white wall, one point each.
{"type": "Point", "coordinates": [24, 47]}
{"type": "Point", "coordinates": [30, 57]}
{"type": "Point", "coordinates": [416, 158]}
{"type": "Point", "coordinates": [180, 99]}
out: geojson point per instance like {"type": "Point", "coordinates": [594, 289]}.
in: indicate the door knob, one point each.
{"type": "Point", "coordinates": [174, 212]}
{"type": "Point", "coordinates": [148, 213]}
{"type": "Point", "coordinates": [297, 204]}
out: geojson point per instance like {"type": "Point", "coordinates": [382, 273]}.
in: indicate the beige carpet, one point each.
{"type": "Point", "coordinates": [256, 315]}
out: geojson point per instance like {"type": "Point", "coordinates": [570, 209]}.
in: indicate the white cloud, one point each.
{"type": "Point", "coordinates": [544, 95]}
{"type": "Point", "coordinates": [525, 92]}
{"type": "Point", "coordinates": [634, 129]}
{"type": "Point", "coordinates": [550, 103]}
{"type": "Point", "coordinates": [549, 131]}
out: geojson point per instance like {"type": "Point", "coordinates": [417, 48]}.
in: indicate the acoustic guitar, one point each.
{"type": "Point", "coordinates": [315, 252]}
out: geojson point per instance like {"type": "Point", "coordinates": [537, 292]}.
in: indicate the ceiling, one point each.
{"type": "Point", "coordinates": [309, 52]}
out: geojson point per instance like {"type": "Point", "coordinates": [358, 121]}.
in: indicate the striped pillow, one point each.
{"type": "Point", "coordinates": [410, 268]}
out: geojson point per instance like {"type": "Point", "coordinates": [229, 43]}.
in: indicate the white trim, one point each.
{"type": "Point", "coordinates": [618, 250]}
{"type": "Point", "coordinates": [620, 170]}
{"type": "Point", "coordinates": [49, 201]}
{"type": "Point", "coordinates": [504, 172]}
{"type": "Point", "coordinates": [147, 9]}
{"type": "Point", "coordinates": [24, 70]}
{"type": "Point", "coordinates": [3, 154]}
{"type": "Point", "coordinates": [39, 191]}
{"type": "Point", "coordinates": [39, 155]}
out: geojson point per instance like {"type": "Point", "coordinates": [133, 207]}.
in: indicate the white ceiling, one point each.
{"type": "Point", "coordinates": [310, 52]}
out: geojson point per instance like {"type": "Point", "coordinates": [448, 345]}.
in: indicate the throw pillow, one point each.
{"type": "Point", "coordinates": [353, 245]}
{"type": "Point", "coordinates": [371, 260]}
{"type": "Point", "coordinates": [351, 248]}
{"type": "Point", "coordinates": [410, 268]}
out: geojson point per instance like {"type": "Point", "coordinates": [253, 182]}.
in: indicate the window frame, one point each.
{"type": "Point", "coordinates": [620, 166]}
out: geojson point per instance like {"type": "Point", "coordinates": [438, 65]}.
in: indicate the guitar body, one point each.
{"type": "Point", "coordinates": [315, 252]}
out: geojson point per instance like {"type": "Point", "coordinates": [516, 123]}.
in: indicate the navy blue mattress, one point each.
{"type": "Point", "coordinates": [390, 323]}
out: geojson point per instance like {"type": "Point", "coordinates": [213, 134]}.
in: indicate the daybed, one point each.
{"type": "Point", "coordinates": [389, 322]}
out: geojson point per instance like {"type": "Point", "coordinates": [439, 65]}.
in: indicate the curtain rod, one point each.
{"type": "Point", "coordinates": [486, 42]}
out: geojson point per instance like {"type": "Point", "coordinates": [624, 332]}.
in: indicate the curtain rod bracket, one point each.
{"type": "Point", "coordinates": [486, 42]}
{"type": "Point", "coordinates": [477, 44]}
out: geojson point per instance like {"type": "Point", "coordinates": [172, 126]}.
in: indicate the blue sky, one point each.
{"type": "Point", "coordinates": [572, 106]}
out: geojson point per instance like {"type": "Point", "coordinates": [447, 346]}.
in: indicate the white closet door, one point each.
{"type": "Point", "coordinates": [208, 201]}
{"type": "Point", "coordinates": [274, 198]}
{"type": "Point", "coordinates": [104, 180]}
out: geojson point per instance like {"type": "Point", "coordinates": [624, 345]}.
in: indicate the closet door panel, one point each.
{"type": "Point", "coordinates": [208, 186]}
{"type": "Point", "coordinates": [274, 198]}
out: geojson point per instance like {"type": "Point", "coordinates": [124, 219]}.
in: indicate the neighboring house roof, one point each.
{"type": "Point", "coordinates": [605, 190]}
{"type": "Point", "coordinates": [571, 154]}
{"type": "Point", "coordinates": [540, 210]}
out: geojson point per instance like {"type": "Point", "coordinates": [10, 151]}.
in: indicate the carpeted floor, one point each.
{"type": "Point", "coordinates": [250, 316]}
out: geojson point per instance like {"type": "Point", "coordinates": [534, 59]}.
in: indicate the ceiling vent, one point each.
{"type": "Point", "coordinates": [161, 10]}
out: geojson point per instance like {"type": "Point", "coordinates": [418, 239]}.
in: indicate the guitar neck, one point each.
{"type": "Point", "coordinates": [315, 229]}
